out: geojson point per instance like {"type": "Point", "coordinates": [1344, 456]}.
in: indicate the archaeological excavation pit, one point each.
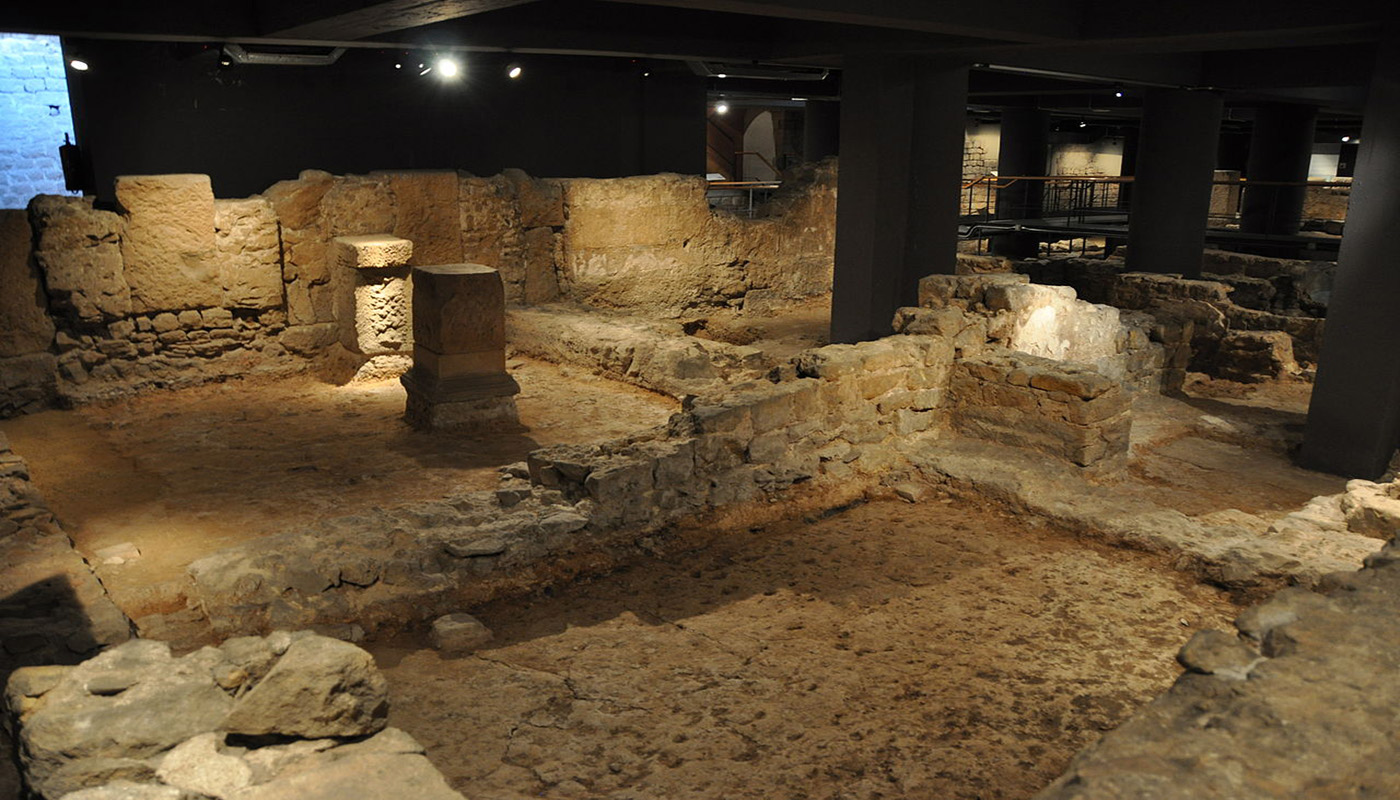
{"type": "Point", "coordinates": [419, 483]}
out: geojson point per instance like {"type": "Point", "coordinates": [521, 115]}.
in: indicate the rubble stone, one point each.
{"type": "Point", "coordinates": [79, 251]}
{"type": "Point", "coordinates": [320, 687]}
{"type": "Point", "coordinates": [250, 254]}
{"type": "Point", "coordinates": [459, 634]}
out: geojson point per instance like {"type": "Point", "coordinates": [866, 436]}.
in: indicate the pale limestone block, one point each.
{"type": "Point", "coordinates": [250, 253]}
{"type": "Point", "coordinates": [168, 243]}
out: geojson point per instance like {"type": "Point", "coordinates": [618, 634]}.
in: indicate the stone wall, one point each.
{"type": "Point", "coordinates": [1191, 318]}
{"type": "Point", "coordinates": [1036, 367]}
{"type": "Point", "coordinates": [653, 243]}
{"type": "Point", "coordinates": [829, 420]}
{"type": "Point", "coordinates": [35, 113]}
{"type": "Point", "coordinates": [175, 287]}
{"type": "Point", "coordinates": [1070, 413]}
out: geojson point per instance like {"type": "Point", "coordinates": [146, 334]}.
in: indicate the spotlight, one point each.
{"type": "Point", "coordinates": [78, 64]}
{"type": "Point", "coordinates": [721, 75]}
{"type": "Point", "coordinates": [398, 66]}
{"type": "Point", "coordinates": [424, 70]}
{"type": "Point", "coordinates": [448, 68]}
{"type": "Point", "coordinates": [1083, 124]}
{"type": "Point", "coordinates": [514, 71]}
{"type": "Point", "coordinates": [646, 74]}
{"type": "Point", "coordinates": [1118, 93]}
{"type": "Point", "coordinates": [721, 107]}
{"type": "Point", "coordinates": [1346, 138]}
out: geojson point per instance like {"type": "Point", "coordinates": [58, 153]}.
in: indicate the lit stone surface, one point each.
{"type": "Point", "coordinates": [168, 245]}
{"type": "Point", "coordinates": [373, 289]}
{"type": "Point", "coordinates": [459, 378]}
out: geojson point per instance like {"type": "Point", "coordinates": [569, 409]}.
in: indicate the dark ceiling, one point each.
{"type": "Point", "coordinates": [1254, 51]}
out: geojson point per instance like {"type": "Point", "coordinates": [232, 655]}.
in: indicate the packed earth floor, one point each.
{"type": "Point", "coordinates": [941, 648]}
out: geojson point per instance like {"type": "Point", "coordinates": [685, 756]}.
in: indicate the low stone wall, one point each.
{"type": "Point", "coordinates": [294, 715]}
{"type": "Point", "coordinates": [653, 354]}
{"type": "Point", "coordinates": [1051, 407]}
{"type": "Point", "coordinates": [830, 419]}
{"type": "Point", "coordinates": [1036, 367]}
{"type": "Point", "coordinates": [177, 287]}
{"type": "Point", "coordinates": [1192, 317]}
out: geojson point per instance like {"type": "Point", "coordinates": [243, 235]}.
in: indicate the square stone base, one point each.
{"type": "Point", "coordinates": [482, 414]}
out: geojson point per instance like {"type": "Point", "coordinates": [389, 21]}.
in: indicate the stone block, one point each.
{"type": "Point", "coordinates": [250, 253]}
{"type": "Point", "coordinates": [541, 258]}
{"type": "Point", "coordinates": [458, 349]}
{"type": "Point", "coordinates": [459, 634]}
{"type": "Point", "coordinates": [79, 251]}
{"type": "Point", "coordinates": [541, 202]}
{"type": "Point", "coordinates": [168, 244]}
{"type": "Point", "coordinates": [356, 204]}
{"type": "Point", "coordinates": [373, 251]}
{"type": "Point", "coordinates": [426, 213]}
{"type": "Point", "coordinates": [25, 326]}
{"type": "Point", "coordinates": [298, 203]}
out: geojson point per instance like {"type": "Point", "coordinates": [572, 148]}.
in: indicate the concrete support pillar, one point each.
{"type": "Point", "coordinates": [459, 379]}
{"type": "Point", "coordinates": [902, 127]}
{"type": "Point", "coordinates": [1025, 146]}
{"type": "Point", "coordinates": [1279, 150]}
{"type": "Point", "coordinates": [1171, 192]}
{"type": "Point", "coordinates": [821, 129]}
{"type": "Point", "coordinates": [1354, 419]}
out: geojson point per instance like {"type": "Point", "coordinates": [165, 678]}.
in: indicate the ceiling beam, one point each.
{"type": "Point", "coordinates": [1000, 20]}
{"type": "Point", "coordinates": [359, 19]}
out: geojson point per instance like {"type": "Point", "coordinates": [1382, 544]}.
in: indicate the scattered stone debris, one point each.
{"type": "Point", "coordinates": [459, 634]}
{"type": "Point", "coordinates": [289, 715]}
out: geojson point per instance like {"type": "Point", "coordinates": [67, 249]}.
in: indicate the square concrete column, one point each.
{"type": "Point", "coordinates": [1354, 417]}
{"type": "Point", "coordinates": [459, 380]}
{"type": "Point", "coordinates": [902, 128]}
{"type": "Point", "coordinates": [372, 293]}
{"type": "Point", "coordinates": [1175, 171]}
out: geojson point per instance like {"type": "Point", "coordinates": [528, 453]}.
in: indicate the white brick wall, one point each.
{"type": "Point", "coordinates": [34, 115]}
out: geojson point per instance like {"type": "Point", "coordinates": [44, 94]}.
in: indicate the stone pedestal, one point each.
{"type": "Point", "coordinates": [459, 380]}
{"type": "Point", "coordinates": [373, 289]}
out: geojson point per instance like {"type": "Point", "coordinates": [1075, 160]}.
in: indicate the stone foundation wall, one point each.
{"type": "Point", "coordinates": [830, 419]}
{"type": "Point", "coordinates": [1036, 367]}
{"type": "Point", "coordinates": [289, 715]}
{"type": "Point", "coordinates": [1051, 407]}
{"type": "Point", "coordinates": [176, 287]}
{"type": "Point", "coordinates": [1191, 318]}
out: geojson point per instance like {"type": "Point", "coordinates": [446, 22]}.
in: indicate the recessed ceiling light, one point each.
{"type": "Point", "coordinates": [514, 71]}
{"type": "Point", "coordinates": [78, 64]}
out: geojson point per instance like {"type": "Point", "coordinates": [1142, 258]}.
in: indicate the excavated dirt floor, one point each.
{"type": "Point", "coordinates": [937, 650]}
{"type": "Point", "coordinates": [182, 474]}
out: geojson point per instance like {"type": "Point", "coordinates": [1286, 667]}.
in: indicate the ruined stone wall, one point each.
{"type": "Point", "coordinates": [1327, 202]}
{"type": "Point", "coordinates": [175, 287]}
{"type": "Point", "coordinates": [653, 243]}
{"type": "Point", "coordinates": [829, 419]}
{"type": "Point", "coordinates": [1037, 368]}
{"type": "Point", "coordinates": [1237, 293]}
